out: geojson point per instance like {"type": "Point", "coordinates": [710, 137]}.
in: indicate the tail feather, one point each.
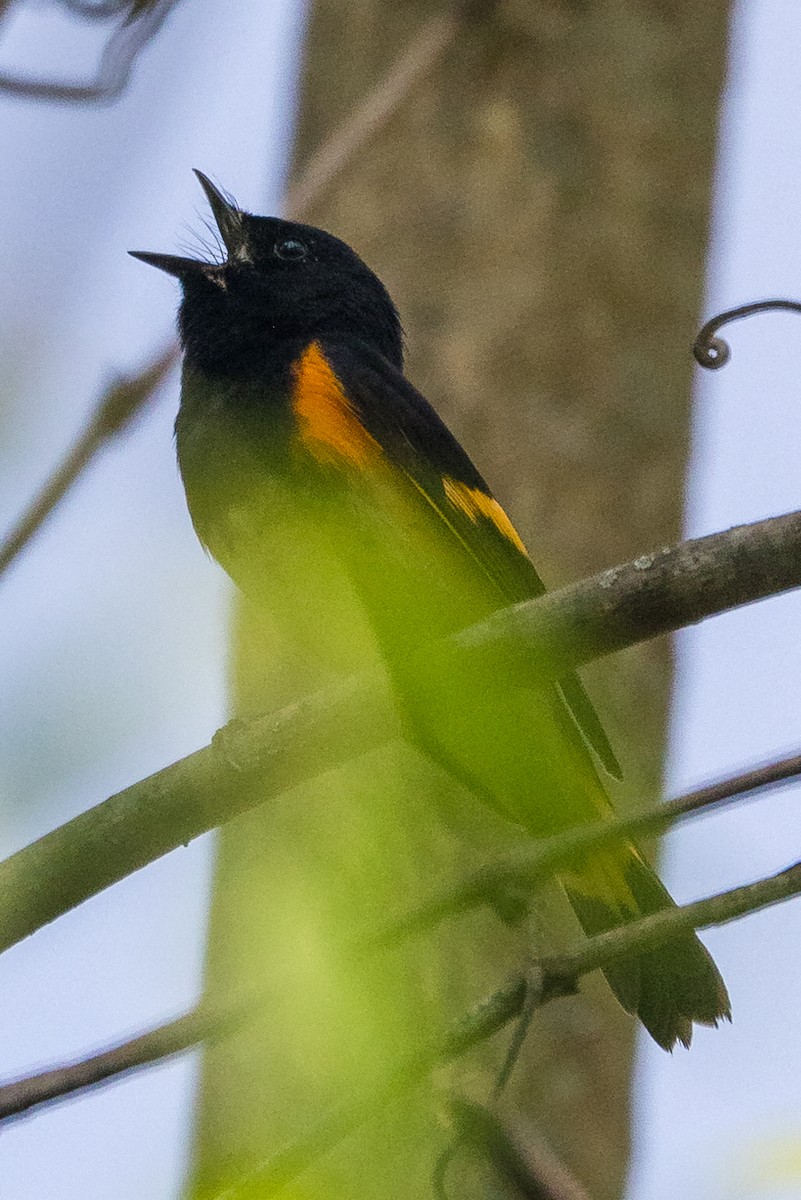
{"type": "Point", "coordinates": [668, 988]}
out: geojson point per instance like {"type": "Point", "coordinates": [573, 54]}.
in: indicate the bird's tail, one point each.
{"type": "Point", "coordinates": [669, 987]}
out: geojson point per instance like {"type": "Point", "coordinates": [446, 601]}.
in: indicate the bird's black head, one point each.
{"type": "Point", "coordinates": [281, 286]}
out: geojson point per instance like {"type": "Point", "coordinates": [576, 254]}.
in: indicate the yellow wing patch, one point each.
{"type": "Point", "coordinates": [328, 425]}
{"type": "Point", "coordinates": [602, 877]}
{"type": "Point", "coordinates": [474, 504]}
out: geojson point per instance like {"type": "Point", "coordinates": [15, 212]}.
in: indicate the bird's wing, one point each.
{"type": "Point", "coordinates": [446, 483]}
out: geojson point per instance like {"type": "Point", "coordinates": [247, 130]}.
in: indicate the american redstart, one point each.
{"type": "Point", "coordinates": [312, 465]}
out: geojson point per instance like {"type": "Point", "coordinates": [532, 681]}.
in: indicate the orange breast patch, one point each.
{"type": "Point", "coordinates": [328, 425]}
{"type": "Point", "coordinates": [474, 503]}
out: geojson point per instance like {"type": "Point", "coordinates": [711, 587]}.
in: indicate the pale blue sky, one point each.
{"type": "Point", "coordinates": [113, 631]}
{"type": "Point", "coordinates": [710, 1123]}
{"type": "Point", "coordinates": [112, 643]}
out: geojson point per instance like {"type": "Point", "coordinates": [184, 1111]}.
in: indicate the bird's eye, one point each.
{"type": "Point", "coordinates": [292, 250]}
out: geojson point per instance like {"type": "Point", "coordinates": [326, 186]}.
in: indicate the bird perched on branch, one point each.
{"type": "Point", "coordinates": [313, 468]}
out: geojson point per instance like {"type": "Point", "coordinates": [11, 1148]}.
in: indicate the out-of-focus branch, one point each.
{"type": "Point", "coordinates": [558, 976]}
{"type": "Point", "coordinates": [101, 10]}
{"type": "Point", "coordinates": [252, 761]}
{"type": "Point", "coordinates": [373, 112]}
{"type": "Point", "coordinates": [530, 868]}
{"type": "Point", "coordinates": [203, 1023]}
{"type": "Point", "coordinates": [145, 18]}
{"type": "Point", "coordinates": [526, 870]}
{"type": "Point", "coordinates": [116, 408]}
{"type": "Point", "coordinates": [522, 1159]}
{"type": "Point", "coordinates": [200, 1025]}
{"type": "Point", "coordinates": [116, 61]}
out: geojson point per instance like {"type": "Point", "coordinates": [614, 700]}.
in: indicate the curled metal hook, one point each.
{"type": "Point", "coordinates": [714, 352]}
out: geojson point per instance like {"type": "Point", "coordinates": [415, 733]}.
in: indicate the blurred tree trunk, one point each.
{"type": "Point", "coordinates": [539, 211]}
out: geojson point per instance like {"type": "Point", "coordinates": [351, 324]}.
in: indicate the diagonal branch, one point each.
{"type": "Point", "coordinates": [524, 1161]}
{"type": "Point", "coordinates": [657, 593]}
{"type": "Point", "coordinates": [373, 112]}
{"type": "Point", "coordinates": [558, 976]}
{"type": "Point", "coordinates": [205, 1025]}
{"type": "Point", "coordinates": [250, 762]}
{"type": "Point", "coordinates": [532, 867]}
{"type": "Point", "coordinates": [201, 1025]}
{"type": "Point", "coordinates": [117, 407]}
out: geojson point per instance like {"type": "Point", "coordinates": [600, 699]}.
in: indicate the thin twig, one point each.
{"type": "Point", "coordinates": [202, 1024]}
{"type": "Point", "coordinates": [523, 1159]}
{"type": "Point", "coordinates": [532, 1002]}
{"type": "Point", "coordinates": [100, 10]}
{"type": "Point", "coordinates": [560, 977]}
{"type": "Point", "coordinates": [117, 62]}
{"type": "Point", "coordinates": [640, 937]}
{"type": "Point", "coordinates": [529, 868]}
{"type": "Point", "coordinates": [373, 112]}
{"type": "Point", "coordinates": [714, 352]}
{"type": "Point", "coordinates": [252, 761]}
{"type": "Point", "coordinates": [116, 408]}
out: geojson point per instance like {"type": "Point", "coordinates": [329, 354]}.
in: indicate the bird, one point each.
{"type": "Point", "coordinates": [314, 469]}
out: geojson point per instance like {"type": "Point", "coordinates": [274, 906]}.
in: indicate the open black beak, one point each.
{"type": "Point", "coordinates": [173, 264]}
{"type": "Point", "coordinates": [229, 223]}
{"type": "Point", "coordinates": [227, 216]}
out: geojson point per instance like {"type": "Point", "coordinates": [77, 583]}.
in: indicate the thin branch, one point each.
{"type": "Point", "coordinates": [655, 594]}
{"type": "Point", "coordinates": [245, 764]}
{"type": "Point", "coordinates": [117, 61]}
{"type": "Point", "coordinates": [373, 112]}
{"type": "Point", "coordinates": [560, 977]}
{"type": "Point", "coordinates": [100, 10]}
{"type": "Point", "coordinates": [529, 868]}
{"type": "Point", "coordinates": [250, 762]}
{"type": "Point", "coordinates": [116, 408]}
{"type": "Point", "coordinates": [202, 1024]}
{"type": "Point", "coordinates": [640, 937]}
{"type": "Point", "coordinates": [714, 352]}
{"type": "Point", "coordinates": [524, 1160]}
